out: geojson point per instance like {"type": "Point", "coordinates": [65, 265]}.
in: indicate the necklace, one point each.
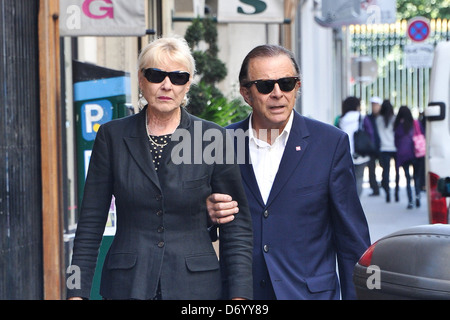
{"type": "Point", "coordinates": [165, 137]}
{"type": "Point", "coordinates": [161, 145]}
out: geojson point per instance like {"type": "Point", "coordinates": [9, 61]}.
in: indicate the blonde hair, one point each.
{"type": "Point", "coordinates": [173, 48]}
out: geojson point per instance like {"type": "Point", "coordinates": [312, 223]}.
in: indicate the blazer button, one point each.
{"type": "Point", "coordinates": [158, 197]}
{"type": "Point", "coordinates": [266, 213]}
{"type": "Point", "coordinates": [159, 213]}
{"type": "Point", "coordinates": [160, 244]}
{"type": "Point", "coordinates": [160, 229]}
{"type": "Point", "coordinates": [266, 248]}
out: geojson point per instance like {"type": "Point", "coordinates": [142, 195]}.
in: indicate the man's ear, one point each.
{"type": "Point", "coordinates": [245, 93]}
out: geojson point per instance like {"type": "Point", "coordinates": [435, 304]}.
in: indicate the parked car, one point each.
{"type": "Point", "coordinates": [437, 115]}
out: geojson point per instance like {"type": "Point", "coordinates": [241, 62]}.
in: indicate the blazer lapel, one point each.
{"type": "Point", "coordinates": [139, 149]}
{"type": "Point", "coordinates": [293, 153]}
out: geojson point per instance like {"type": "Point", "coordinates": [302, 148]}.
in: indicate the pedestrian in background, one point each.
{"type": "Point", "coordinates": [421, 161]}
{"type": "Point", "coordinates": [385, 127]}
{"type": "Point", "coordinates": [374, 158]}
{"type": "Point", "coordinates": [404, 131]}
{"type": "Point", "coordinates": [349, 122]}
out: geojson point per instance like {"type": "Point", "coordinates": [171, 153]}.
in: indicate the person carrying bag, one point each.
{"type": "Point", "coordinates": [363, 142]}
{"type": "Point", "coordinates": [360, 137]}
{"type": "Point", "coordinates": [419, 141]}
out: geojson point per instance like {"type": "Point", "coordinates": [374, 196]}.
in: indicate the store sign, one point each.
{"type": "Point", "coordinates": [102, 18]}
{"type": "Point", "coordinates": [259, 11]}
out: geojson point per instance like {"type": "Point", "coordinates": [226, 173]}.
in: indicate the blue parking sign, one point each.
{"type": "Point", "coordinates": [93, 115]}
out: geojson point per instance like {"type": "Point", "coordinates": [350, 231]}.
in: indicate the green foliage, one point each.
{"type": "Point", "coordinates": [195, 33]}
{"type": "Point", "coordinates": [224, 112]}
{"type": "Point", "coordinates": [200, 96]}
{"type": "Point", "coordinates": [431, 9]}
{"type": "Point", "coordinates": [214, 106]}
{"type": "Point", "coordinates": [210, 68]}
{"type": "Point", "coordinates": [205, 100]}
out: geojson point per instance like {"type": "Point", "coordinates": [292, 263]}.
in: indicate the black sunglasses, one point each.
{"type": "Point", "coordinates": [157, 76]}
{"type": "Point", "coordinates": [266, 86]}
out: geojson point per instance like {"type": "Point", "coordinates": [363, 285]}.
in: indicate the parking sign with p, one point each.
{"type": "Point", "coordinates": [100, 95]}
{"type": "Point", "coordinates": [93, 115]}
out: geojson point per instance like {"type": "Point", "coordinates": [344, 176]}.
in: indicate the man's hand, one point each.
{"type": "Point", "coordinates": [221, 208]}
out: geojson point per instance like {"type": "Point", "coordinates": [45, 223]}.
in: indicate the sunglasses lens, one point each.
{"type": "Point", "coordinates": [287, 84]}
{"type": "Point", "coordinates": [157, 76]}
{"type": "Point", "coordinates": [265, 86]}
{"type": "Point", "coordinates": [179, 78]}
{"type": "Point", "coordinates": [154, 76]}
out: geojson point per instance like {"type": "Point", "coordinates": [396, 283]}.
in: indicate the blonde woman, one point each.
{"type": "Point", "coordinates": [162, 248]}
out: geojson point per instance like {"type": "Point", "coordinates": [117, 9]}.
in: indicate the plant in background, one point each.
{"type": "Point", "coordinates": [205, 100]}
{"type": "Point", "coordinates": [432, 9]}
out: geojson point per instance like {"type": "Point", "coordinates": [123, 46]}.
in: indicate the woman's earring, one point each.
{"type": "Point", "coordinates": [141, 101]}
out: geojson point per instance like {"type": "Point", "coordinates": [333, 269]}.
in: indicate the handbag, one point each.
{"type": "Point", "coordinates": [362, 141]}
{"type": "Point", "coordinates": [419, 141]}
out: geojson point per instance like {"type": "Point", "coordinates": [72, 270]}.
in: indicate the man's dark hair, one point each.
{"type": "Point", "coordinates": [263, 51]}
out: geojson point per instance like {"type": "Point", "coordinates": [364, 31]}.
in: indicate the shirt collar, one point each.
{"type": "Point", "coordinates": [283, 137]}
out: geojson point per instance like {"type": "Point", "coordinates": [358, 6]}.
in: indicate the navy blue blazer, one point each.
{"type": "Point", "coordinates": [312, 217]}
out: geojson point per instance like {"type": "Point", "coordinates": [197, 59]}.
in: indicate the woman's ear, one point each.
{"type": "Point", "coordinates": [188, 87]}
{"type": "Point", "coordinates": [140, 77]}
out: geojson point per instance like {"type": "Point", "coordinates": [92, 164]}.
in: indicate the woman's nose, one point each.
{"type": "Point", "coordinates": [166, 83]}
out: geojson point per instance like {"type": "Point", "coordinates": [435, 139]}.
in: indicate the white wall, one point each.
{"type": "Point", "coordinates": [317, 67]}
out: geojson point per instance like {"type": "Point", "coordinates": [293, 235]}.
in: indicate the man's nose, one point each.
{"type": "Point", "coordinates": [276, 92]}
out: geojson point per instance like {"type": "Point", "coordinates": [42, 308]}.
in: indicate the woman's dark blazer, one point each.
{"type": "Point", "coordinates": [162, 221]}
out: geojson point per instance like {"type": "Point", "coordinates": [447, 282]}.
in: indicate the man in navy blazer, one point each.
{"type": "Point", "coordinates": [299, 180]}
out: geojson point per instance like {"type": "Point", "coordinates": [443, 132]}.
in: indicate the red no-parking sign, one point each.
{"type": "Point", "coordinates": [418, 29]}
{"type": "Point", "coordinates": [418, 54]}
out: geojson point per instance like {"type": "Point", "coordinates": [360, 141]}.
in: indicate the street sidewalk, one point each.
{"type": "Point", "coordinates": [385, 218]}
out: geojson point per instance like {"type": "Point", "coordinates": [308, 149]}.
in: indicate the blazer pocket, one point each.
{"type": "Point", "coordinates": [323, 282]}
{"type": "Point", "coordinates": [121, 261]}
{"type": "Point", "coordinates": [191, 184]}
{"type": "Point", "coordinates": [202, 262]}
{"type": "Point", "coordinates": [311, 189]}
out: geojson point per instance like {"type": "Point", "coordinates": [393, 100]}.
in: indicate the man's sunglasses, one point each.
{"type": "Point", "coordinates": [266, 86]}
{"type": "Point", "coordinates": [157, 76]}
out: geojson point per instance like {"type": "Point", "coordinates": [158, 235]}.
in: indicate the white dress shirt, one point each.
{"type": "Point", "coordinates": [266, 158]}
